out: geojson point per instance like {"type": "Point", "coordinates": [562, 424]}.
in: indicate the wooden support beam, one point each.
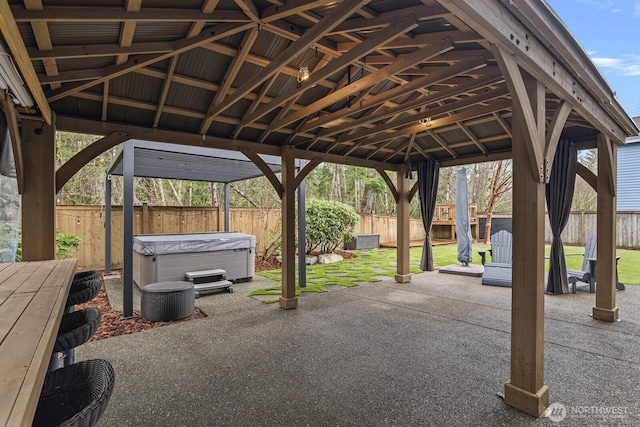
{"type": "Point", "coordinates": [397, 27]}
{"type": "Point", "coordinates": [553, 136]}
{"type": "Point", "coordinates": [606, 154]}
{"type": "Point", "coordinates": [288, 299]}
{"type": "Point", "coordinates": [249, 9]}
{"type": "Point", "coordinates": [472, 137]}
{"type": "Point", "coordinates": [38, 197]}
{"type": "Point", "coordinates": [534, 119]}
{"type": "Point", "coordinates": [266, 86]}
{"type": "Point", "coordinates": [330, 21]}
{"type": "Point", "coordinates": [165, 90]}
{"type": "Point", "coordinates": [105, 101]}
{"type": "Point", "coordinates": [390, 184]}
{"type": "Point", "coordinates": [90, 152]}
{"type": "Point", "coordinates": [83, 14]}
{"type": "Point", "coordinates": [497, 23]}
{"type": "Point", "coordinates": [442, 143]}
{"type": "Point", "coordinates": [364, 24]}
{"type": "Point", "coordinates": [265, 169]}
{"type": "Point", "coordinates": [128, 29]}
{"type": "Point", "coordinates": [589, 177]}
{"type": "Point", "coordinates": [438, 123]}
{"type": "Point", "coordinates": [380, 99]}
{"type": "Point", "coordinates": [43, 39]}
{"type": "Point", "coordinates": [140, 61]}
{"type": "Point", "coordinates": [96, 127]}
{"type": "Point", "coordinates": [466, 160]}
{"type": "Point", "coordinates": [12, 37]}
{"type": "Point", "coordinates": [289, 8]}
{"type": "Point", "coordinates": [305, 171]}
{"type": "Point", "coordinates": [412, 120]}
{"type": "Point", "coordinates": [16, 141]}
{"type": "Point", "coordinates": [413, 104]}
{"type": "Point", "coordinates": [403, 62]}
{"type": "Point", "coordinates": [403, 268]}
{"type": "Point", "coordinates": [232, 71]}
{"type": "Point", "coordinates": [283, 112]}
{"type": "Point", "coordinates": [605, 308]}
{"type": "Point", "coordinates": [576, 59]}
{"type": "Point", "coordinates": [526, 390]}
{"type": "Point", "coordinates": [413, 191]}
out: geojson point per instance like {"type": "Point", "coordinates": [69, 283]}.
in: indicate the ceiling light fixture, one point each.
{"type": "Point", "coordinates": [425, 121]}
{"type": "Point", "coordinates": [303, 74]}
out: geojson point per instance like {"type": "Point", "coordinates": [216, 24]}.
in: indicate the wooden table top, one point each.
{"type": "Point", "coordinates": [32, 300]}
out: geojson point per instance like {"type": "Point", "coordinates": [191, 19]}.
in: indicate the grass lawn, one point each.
{"type": "Point", "coordinates": [371, 264]}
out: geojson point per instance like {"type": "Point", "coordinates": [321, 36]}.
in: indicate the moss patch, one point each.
{"type": "Point", "coordinates": [371, 264]}
{"type": "Point", "coordinates": [367, 267]}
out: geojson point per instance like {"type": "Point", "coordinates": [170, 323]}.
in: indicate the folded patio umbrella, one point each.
{"type": "Point", "coordinates": [463, 226]}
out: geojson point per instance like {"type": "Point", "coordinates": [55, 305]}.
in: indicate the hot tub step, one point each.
{"type": "Point", "coordinates": [201, 287]}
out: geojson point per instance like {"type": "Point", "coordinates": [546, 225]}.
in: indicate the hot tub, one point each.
{"type": "Point", "coordinates": [167, 257]}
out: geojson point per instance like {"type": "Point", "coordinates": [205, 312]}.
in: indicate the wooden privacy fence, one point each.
{"type": "Point", "coordinates": [584, 224]}
{"type": "Point", "coordinates": [581, 225]}
{"type": "Point", "coordinates": [87, 222]}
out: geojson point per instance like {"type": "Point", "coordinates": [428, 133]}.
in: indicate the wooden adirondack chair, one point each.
{"type": "Point", "coordinates": [588, 272]}
{"type": "Point", "coordinates": [498, 271]}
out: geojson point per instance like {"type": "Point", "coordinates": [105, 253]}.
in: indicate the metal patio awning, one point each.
{"type": "Point", "coordinates": [173, 161]}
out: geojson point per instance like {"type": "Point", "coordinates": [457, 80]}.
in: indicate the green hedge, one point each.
{"type": "Point", "coordinates": [328, 224]}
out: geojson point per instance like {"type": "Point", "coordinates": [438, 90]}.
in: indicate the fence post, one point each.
{"type": "Point", "coordinates": [373, 217]}
{"type": "Point", "coordinates": [145, 218]}
{"type": "Point", "coordinates": [583, 238]}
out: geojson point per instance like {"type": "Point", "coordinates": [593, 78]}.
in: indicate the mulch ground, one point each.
{"type": "Point", "coordinates": [112, 323]}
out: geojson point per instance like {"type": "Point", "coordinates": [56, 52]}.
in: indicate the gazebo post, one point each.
{"type": "Point", "coordinates": [39, 191]}
{"type": "Point", "coordinates": [302, 225]}
{"type": "Point", "coordinates": [227, 215]}
{"type": "Point", "coordinates": [288, 299]}
{"type": "Point", "coordinates": [526, 390]}
{"type": "Point", "coordinates": [107, 224]}
{"type": "Point", "coordinates": [605, 308]}
{"type": "Point", "coordinates": [127, 209]}
{"type": "Point", "coordinates": [403, 274]}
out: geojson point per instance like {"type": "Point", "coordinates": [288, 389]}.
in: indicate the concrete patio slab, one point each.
{"type": "Point", "coordinates": [431, 352]}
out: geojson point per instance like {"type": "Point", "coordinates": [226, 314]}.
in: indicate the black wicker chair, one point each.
{"type": "Point", "coordinates": [76, 328]}
{"type": "Point", "coordinates": [75, 395]}
{"type": "Point", "coordinates": [83, 292]}
{"type": "Point", "coordinates": [85, 276]}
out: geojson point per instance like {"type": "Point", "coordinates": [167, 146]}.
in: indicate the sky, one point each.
{"type": "Point", "coordinates": [609, 31]}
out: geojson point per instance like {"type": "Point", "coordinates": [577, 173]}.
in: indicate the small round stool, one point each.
{"type": "Point", "coordinates": [166, 301]}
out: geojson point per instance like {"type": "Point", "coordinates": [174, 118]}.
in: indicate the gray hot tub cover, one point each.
{"type": "Point", "coordinates": [158, 244]}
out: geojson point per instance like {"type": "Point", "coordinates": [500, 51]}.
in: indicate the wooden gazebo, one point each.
{"type": "Point", "coordinates": [381, 84]}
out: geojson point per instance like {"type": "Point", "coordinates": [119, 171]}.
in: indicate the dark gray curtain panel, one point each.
{"type": "Point", "coordinates": [428, 174]}
{"type": "Point", "coordinates": [559, 195]}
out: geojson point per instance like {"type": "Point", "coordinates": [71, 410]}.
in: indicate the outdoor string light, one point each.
{"type": "Point", "coordinates": [303, 74]}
